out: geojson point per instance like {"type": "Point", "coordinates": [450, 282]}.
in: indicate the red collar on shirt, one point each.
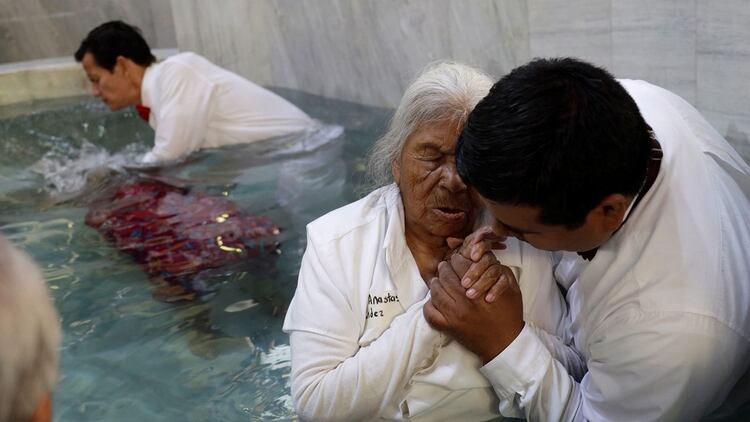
{"type": "Point", "coordinates": [143, 111]}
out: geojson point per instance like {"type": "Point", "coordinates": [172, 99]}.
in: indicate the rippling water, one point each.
{"type": "Point", "coordinates": [127, 356]}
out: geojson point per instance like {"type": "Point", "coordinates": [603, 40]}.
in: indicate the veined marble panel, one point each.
{"type": "Point", "coordinates": [655, 41]}
{"type": "Point", "coordinates": [42, 79]}
{"type": "Point", "coordinates": [368, 50]}
{"type": "Point", "coordinates": [577, 28]}
{"type": "Point", "coordinates": [723, 60]}
{"type": "Point", "coordinates": [735, 127]}
{"type": "Point", "coordinates": [47, 78]}
{"type": "Point", "coordinates": [492, 35]}
{"type": "Point", "coordinates": [365, 51]}
{"type": "Point", "coordinates": [36, 29]}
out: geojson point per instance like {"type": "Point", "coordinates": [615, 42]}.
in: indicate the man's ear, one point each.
{"type": "Point", "coordinates": [396, 171]}
{"type": "Point", "coordinates": [121, 65]}
{"type": "Point", "coordinates": [611, 211]}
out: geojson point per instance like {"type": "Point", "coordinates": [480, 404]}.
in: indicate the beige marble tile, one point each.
{"type": "Point", "coordinates": [365, 51]}
{"type": "Point", "coordinates": [492, 35]}
{"type": "Point", "coordinates": [47, 78]}
{"type": "Point", "coordinates": [723, 68]}
{"type": "Point", "coordinates": [577, 28]}
{"type": "Point", "coordinates": [34, 29]}
{"type": "Point", "coordinates": [53, 80]}
{"type": "Point", "coordinates": [723, 56]}
{"type": "Point", "coordinates": [735, 128]}
{"type": "Point", "coordinates": [655, 41]}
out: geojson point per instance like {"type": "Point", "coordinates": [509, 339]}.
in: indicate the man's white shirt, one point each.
{"type": "Point", "coordinates": [662, 312]}
{"type": "Point", "coordinates": [196, 104]}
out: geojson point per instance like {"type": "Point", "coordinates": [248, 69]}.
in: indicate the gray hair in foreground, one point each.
{"type": "Point", "coordinates": [444, 91]}
{"type": "Point", "coordinates": [29, 336]}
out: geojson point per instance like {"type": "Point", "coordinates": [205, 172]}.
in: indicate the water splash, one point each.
{"type": "Point", "coordinates": [67, 170]}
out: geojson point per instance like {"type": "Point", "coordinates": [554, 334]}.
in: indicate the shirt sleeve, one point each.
{"type": "Point", "coordinates": [562, 351]}
{"type": "Point", "coordinates": [185, 107]}
{"type": "Point", "coordinates": [333, 378]}
{"type": "Point", "coordinates": [545, 309]}
{"type": "Point", "coordinates": [671, 366]}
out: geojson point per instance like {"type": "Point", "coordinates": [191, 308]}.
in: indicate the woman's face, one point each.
{"type": "Point", "coordinates": [436, 200]}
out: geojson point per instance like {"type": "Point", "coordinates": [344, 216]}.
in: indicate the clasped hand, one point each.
{"type": "Point", "coordinates": [475, 299]}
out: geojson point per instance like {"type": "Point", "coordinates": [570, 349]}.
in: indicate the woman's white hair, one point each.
{"type": "Point", "coordinates": [444, 91]}
{"type": "Point", "coordinates": [29, 336]}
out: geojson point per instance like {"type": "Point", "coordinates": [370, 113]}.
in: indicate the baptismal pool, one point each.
{"type": "Point", "coordinates": [127, 356]}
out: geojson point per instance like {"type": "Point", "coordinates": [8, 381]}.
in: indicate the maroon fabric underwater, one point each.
{"type": "Point", "coordinates": [175, 234]}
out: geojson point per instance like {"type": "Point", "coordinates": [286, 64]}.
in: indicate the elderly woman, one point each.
{"type": "Point", "coordinates": [361, 347]}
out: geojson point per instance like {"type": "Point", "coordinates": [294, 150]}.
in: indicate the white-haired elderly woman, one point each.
{"type": "Point", "coordinates": [29, 339]}
{"type": "Point", "coordinates": [361, 347]}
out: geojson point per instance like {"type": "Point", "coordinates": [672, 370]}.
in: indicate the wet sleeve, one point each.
{"type": "Point", "coordinates": [545, 309]}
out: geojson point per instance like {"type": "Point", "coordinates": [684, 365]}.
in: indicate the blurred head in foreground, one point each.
{"type": "Point", "coordinates": [29, 339]}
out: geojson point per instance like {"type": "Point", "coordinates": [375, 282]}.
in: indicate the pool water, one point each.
{"type": "Point", "coordinates": [127, 356]}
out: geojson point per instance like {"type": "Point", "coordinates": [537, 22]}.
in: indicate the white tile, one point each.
{"type": "Point", "coordinates": [490, 34]}
{"type": "Point", "coordinates": [735, 128]}
{"type": "Point", "coordinates": [365, 51]}
{"type": "Point", "coordinates": [578, 28]}
{"type": "Point", "coordinates": [655, 41]}
{"type": "Point", "coordinates": [35, 29]}
{"type": "Point", "coordinates": [723, 57]}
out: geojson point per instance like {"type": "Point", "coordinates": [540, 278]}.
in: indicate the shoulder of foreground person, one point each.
{"type": "Point", "coordinates": [363, 212]}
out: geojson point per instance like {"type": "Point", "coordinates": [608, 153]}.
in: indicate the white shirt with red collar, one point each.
{"type": "Point", "coordinates": [195, 104]}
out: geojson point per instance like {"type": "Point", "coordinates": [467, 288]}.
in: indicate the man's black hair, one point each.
{"type": "Point", "coordinates": [112, 39]}
{"type": "Point", "coordinates": [557, 134]}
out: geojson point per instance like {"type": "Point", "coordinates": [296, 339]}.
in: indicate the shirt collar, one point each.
{"type": "Point", "coordinates": [395, 239]}
{"type": "Point", "coordinates": [398, 258]}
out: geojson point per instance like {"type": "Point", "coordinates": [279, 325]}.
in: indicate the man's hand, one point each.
{"type": "Point", "coordinates": [484, 328]}
{"type": "Point", "coordinates": [476, 265]}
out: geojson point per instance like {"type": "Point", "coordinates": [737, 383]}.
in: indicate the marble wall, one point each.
{"type": "Point", "coordinates": [40, 29]}
{"type": "Point", "coordinates": [368, 50]}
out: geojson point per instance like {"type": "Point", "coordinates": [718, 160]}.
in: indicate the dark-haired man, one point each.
{"type": "Point", "coordinates": [190, 102]}
{"type": "Point", "coordinates": [649, 208]}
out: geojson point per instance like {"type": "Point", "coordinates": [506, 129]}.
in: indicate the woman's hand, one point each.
{"type": "Point", "coordinates": [480, 271]}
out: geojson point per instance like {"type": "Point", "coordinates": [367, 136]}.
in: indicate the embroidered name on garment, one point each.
{"type": "Point", "coordinates": [375, 304]}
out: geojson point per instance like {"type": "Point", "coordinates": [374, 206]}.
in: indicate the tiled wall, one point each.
{"type": "Point", "coordinates": [40, 29]}
{"type": "Point", "coordinates": [368, 50]}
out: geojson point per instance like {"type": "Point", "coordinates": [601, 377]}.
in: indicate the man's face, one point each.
{"type": "Point", "coordinates": [522, 222]}
{"type": "Point", "coordinates": [436, 201]}
{"type": "Point", "coordinates": [114, 88]}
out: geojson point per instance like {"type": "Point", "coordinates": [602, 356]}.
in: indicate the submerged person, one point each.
{"type": "Point", "coordinates": [29, 339]}
{"type": "Point", "coordinates": [361, 348]}
{"type": "Point", "coordinates": [179, 235]}
{"type": "Point", "coordinates": [190, 102]}
{"type": "Point", "coordinates": [650, 207]}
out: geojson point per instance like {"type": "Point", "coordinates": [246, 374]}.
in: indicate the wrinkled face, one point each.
{"type": "Point", "coordinates": [522, 222]}
{"type": "Point", "coordinates": [436, 201]}
{"type": "Point", "coordinates": [114, 88]}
